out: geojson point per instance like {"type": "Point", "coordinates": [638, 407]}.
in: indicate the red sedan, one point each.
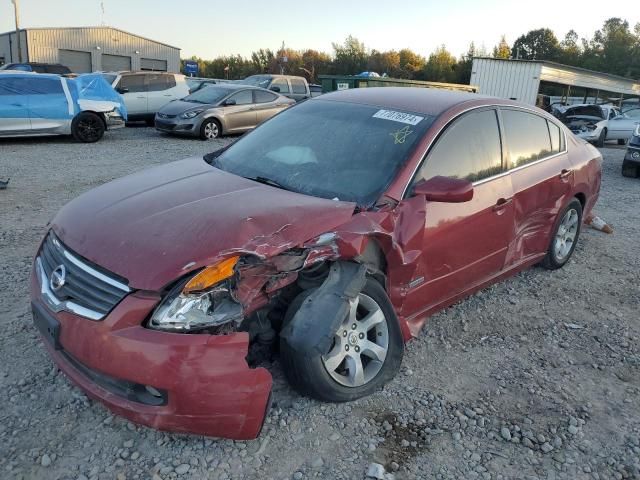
{"type": "Point", "coordinates": [329, 234]}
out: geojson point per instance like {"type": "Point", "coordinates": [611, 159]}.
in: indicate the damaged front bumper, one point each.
{"type": "Point", "coordinates": [192, 383]}
{"type": "Point", "coordinates": [114, 120]}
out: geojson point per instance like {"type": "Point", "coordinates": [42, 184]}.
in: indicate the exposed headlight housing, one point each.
{"type": "Point", "coordinates": [204, 301]}
{"type": "Point", "coordinates": [192, 113]}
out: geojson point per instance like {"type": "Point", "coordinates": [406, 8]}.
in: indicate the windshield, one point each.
{"type": "Point", "coordinates": [109, 77]}
{"type": "Point", "coordinates": [258, 80]}
{"type": "Point", "coordinates": [328, 149]}
{"type": "Point", "coordinates": [210, 94]}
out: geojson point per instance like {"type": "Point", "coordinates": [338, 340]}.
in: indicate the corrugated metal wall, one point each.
{"type": "Point", "coordinates": [592, 80]}
{"type": "Point", "coordinates": [9, 48]}
{"type": "Point", "coordinates": [516, 80]}
{"type": "Point", "coordinates": [44, 44]}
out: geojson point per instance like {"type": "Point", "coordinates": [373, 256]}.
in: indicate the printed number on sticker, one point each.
{"type": "Point", "coordinates": [398, 117]}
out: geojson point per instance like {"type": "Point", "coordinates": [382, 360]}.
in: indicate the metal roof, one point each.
{"type": "Point", "coordinates": [577, 76]}
{"type": "Point", "coordinates": [92, 28]}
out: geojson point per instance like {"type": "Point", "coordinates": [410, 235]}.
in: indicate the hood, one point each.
{"type": "Point", "coordinates": [156, 225]}
{"type": "Point", "coordinates": [180, 106]}
{"type": "Point", "coordinates": [579, 120]}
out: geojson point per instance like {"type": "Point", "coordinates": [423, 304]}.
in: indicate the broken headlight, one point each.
{"type": "Point", "coordinates": [204, 301]}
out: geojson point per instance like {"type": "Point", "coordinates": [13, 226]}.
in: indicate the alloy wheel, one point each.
{"type": "Point", "coordinates": [211, 130]}
{"type": "Point", "coordinates": [89, 129]}
{"type": "Point", "coordinates": [360, 344]}
{"type": "Point", "coordinates": [566, 235]}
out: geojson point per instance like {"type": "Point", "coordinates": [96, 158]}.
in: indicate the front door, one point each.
{"type": "Point", "coordinates": [50, 109]}
{"type": "Point", "coordinates": [134, 91]}
{"type": "Point", "coordinates": [466, 243]}
{"type": "Point", "coordinates": [241, 115]}
{"type": "Point", "coordinates": [14, 111]}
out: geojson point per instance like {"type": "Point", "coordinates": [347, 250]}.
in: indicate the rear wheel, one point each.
{"type": "Point", "coordinates": [622, 141]}
{"type": "Point", "coordinates": [565, 236]}
{"type": "Point", "coordinates": [210, 129]}
{"type": "Point", "coordinates": [601, 138]}
{"type": "Point", "coordinates": [87, 127]}
{"type": "Point", "coordinates": [366, 353]}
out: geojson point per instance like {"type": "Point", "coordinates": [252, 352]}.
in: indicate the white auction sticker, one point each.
{"type": "Point", "coordinates": [401, 117]}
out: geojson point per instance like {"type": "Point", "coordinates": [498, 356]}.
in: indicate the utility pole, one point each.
{"type": "Point", "coordinates": [16, 9]}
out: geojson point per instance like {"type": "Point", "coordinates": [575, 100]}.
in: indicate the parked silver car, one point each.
{"type": "Point", "coordinates": [220, 109]}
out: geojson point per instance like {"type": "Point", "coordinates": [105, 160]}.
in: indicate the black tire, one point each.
{"type": "Point", "coordinates": [210, 123]}
{"type": "Point", "coordinates": [87, 127]}
{"type": "Point", "coordinates": [307, 373]}
{"type": "Point", "coordinates": [601, 138]}
{"type": "Point", "coordinates": [151, 122]}
{"type": "Point", "coordinates": [629, 170]}
{"type": "Point", "coordinates": [552, 261]}
{"type": "Point", "coordinates": [622, 141]}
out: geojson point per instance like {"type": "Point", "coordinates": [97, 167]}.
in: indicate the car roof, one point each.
{"type": "Point", "coordinates": [428, 101]}
{"type": "Point", "coordinates": [30, 74]}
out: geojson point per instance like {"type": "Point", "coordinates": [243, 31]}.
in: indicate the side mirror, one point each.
{"type": "Point", "coordinates": [122, 90]}
{"type": "Point", "coordinates": [275, 89]}
{"type": "Point", "coordinates": [228, 103]}
{"type": "Point", "coordinates": [445, 189]}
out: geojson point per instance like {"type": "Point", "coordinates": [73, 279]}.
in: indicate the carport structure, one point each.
{"type": "Point", "coordinates": [542, 83]}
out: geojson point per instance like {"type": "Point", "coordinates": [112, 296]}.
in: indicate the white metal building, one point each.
{"type": "Point", "coordinates": [89, 49]}
{"type": "Point", "coordinates": [524, 80]}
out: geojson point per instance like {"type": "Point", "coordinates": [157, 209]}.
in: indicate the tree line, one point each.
{"type": "Point", "coordinates": [615, 49]}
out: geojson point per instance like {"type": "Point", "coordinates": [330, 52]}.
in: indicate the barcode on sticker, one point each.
{"type": "Point", "coordinates": [401, 117]}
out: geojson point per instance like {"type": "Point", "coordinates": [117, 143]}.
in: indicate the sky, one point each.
{"type": "Point", "coordinates": [208, 28]}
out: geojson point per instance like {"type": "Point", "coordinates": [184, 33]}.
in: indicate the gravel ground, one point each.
{"type": "Point", "coordinates": [537, 377]}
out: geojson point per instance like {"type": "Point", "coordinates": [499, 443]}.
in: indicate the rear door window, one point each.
{"type": "Point", "coordinates": [262, 96]}
{"type": "Point", "coordinates": [159, 82]}
{"type": "Point", "coordinates": [281, 83]}
{"type": "Point", "coordinates": [43, 86]}
{"type": "Point", "coordinates": [468, 149]}
{"type": "Point", "coordinates": [298, 86]}
{"type": "Point", "coordinates": [527, 137]}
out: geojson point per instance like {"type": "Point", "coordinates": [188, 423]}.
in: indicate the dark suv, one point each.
{"type": "Point", "coordinates": [631, 162]}
{"type": "Point", "coordinates": [56, 68]}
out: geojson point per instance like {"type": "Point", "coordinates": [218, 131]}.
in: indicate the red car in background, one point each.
{"type": "Point", "coordinates": [331, 233]}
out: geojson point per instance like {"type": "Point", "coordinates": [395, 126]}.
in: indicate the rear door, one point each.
{"type": "Point", "coordinates": [159, 87]}
{"type": "Point", "coordinates": [14, 108]}
{"type": "Point", "coordinates": [621, 126]}
{"type": "Point", "coordinates": [241, 116]}
{"type": "Point", "coordinates": [298, 89]}
{"type": "Point", "coordinates": [133, 89]}
{"type": "Point", "coordinates": [541, 175]}
{"type": "Point", "coordinates": [466, 243]}
{"type": "Point", "coordinates": [281, 86]}
{"type": "Point", "coordinates": [50, 109]}
{"type": "Point", "coordinates": [265, 105]}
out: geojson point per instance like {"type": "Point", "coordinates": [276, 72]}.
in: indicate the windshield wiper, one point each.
{"type": "Point", "coordinates": [268, 181]}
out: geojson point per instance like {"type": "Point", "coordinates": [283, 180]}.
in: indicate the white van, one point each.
{"type": "Point", "coordinates": [145, 93]}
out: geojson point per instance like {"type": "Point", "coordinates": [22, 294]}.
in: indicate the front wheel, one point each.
{"type": "Point", "coordinates": [601, 138]}
{"type": "Point", "coordinates": [366, 352]}
{"type": "Point", "coordinates": [210, 129]}
{"type": "Point", "coordinates": [565, 236]}
{"type": "Point", "coordinates": [87, 127]}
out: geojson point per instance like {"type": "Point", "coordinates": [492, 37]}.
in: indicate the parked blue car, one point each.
{"type": "Point", "coordinates": [46, 104]}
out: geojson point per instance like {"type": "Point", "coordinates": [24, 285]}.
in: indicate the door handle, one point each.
{"type": "Point", "coordinates": [565, 173]}
{"type": "Point", "coordinates": [501, 204]}
{"type": "Point", "coordinates": [140, 97]}
{"type": "Point", "coordinates": [167, 95]}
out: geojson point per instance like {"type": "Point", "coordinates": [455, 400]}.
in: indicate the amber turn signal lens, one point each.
{"type": "Point", "coordinates": [211, 275]}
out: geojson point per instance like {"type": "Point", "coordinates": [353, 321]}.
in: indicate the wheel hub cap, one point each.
{"type": "Point", "coordinates": [566, 235]}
